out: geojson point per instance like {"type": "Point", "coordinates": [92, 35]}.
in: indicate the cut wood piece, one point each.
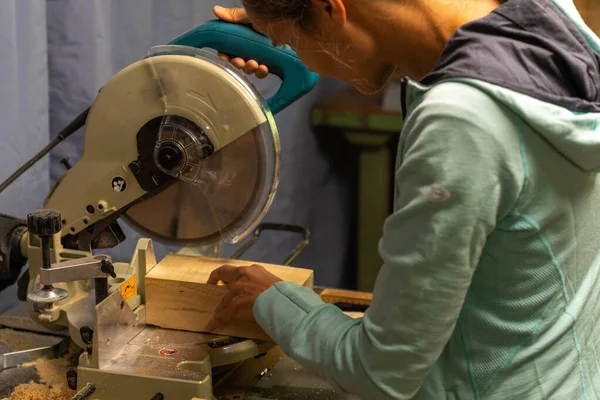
{"type": "Point", "coordinates": [346, 296]}
{"type": "Point", "coordinates": [179, 297]}
{"type": "Point", "coordinates": [355, 315]}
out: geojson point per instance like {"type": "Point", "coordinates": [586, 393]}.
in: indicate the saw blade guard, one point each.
{"type": "Point", "coordinates": [218, 138]}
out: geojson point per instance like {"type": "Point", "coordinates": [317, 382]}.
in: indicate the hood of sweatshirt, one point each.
{"type": "Point", "coordinates": [539, 59]}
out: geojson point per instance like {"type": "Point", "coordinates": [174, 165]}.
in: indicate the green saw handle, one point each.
{"type": "Point", "coordinates": [242, 41]}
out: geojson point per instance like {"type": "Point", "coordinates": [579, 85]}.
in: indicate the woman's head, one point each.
{"type": "Point", "coordinates": [323, 36]}
{"type": "Point", "coordinates": [361, 42]}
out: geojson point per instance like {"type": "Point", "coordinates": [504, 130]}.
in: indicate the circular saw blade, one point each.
{"type": "Point", "coordinates": [186, 213]}
{"type": "Point", "coordinates": [233, 187]}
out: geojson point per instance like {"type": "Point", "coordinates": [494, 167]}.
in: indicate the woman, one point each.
{"type": "Point", "coordinates": [489, 287]}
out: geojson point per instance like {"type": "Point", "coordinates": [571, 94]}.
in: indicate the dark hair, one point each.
{"type": "Point", "coordinates": [297, 10]}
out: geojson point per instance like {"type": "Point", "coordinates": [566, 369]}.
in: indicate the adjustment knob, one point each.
{"type": "Point", "coordinates": [44, 223]}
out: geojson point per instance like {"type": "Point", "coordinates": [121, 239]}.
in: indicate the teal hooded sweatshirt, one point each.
{"type": "Point", "coordinates": [489, 287]}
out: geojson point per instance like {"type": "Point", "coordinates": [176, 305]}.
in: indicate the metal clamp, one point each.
{"type": "Point", "coordinates": [306, 236]}
{"type": "Point", "coordinates": [77, 270]}
{"type": "Point", "coordinates": [98, 267]}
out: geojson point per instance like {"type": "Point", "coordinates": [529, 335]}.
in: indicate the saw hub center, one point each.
{"type": "Point", "coordinates": [170, 156]}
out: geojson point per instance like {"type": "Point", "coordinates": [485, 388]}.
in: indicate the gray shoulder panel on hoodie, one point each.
{"type": "Point", "coordinates": [530, 47]}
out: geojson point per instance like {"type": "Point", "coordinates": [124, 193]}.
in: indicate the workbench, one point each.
{"type": "Point", "coordinates": [272, 376]}
{"type": "Point", "coordinates": [363, 121]}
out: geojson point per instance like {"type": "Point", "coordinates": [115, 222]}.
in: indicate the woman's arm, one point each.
{"type": "Point", "coordinates": [455, 179]}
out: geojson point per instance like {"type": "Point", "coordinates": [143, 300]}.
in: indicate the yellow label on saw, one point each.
{"type": "Point", "coordinates": [128, 288]}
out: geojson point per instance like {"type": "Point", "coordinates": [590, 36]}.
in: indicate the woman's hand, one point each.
{"type": "Point", "coordinates": [245, 284]}
{"type": "Point", "coordinates": [239, 16]}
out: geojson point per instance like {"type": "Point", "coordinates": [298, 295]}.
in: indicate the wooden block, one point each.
{"type": "Point", "coordinates": [355, 315]}
{"type": "Point", "coordinates": [178, 296]}
{"type": "Point", "coordinates": [346, 296]}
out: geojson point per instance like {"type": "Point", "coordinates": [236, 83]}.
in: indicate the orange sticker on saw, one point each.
{"type": "Point", "coordinates": [128, 288]}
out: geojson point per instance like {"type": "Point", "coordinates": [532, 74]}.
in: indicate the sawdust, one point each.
{"type": "Point", "coordinates": [53, 378]}
{"type": "Point", "coordinates": [53, 372]}
{"type": "Point", "coordinates": [22, 323]}
{"type": "Point", "coordinates": [18, 341]}
{"type": "Point", "coordinates": [37, 391]}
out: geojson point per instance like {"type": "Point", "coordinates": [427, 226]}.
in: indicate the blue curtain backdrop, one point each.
{"type": "Point", "coordinates": [57, 54]}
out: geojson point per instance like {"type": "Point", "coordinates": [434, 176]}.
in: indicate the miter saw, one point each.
{"type": "Point", "coordinates": [185, 148]}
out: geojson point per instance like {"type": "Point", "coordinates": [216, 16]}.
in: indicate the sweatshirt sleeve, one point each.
{"type": "Point", "coordinates": [453, 182]}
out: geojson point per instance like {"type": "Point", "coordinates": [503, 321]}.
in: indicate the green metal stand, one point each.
{"type": "Point", "coordinates": [361, 121]}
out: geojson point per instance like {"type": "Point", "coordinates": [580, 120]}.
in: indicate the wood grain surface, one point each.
{"type": "Point", "coordinates": [179, 297]}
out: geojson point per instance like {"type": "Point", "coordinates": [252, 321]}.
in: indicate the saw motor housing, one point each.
{"type": "Point", "coordinates": [118, 168]}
